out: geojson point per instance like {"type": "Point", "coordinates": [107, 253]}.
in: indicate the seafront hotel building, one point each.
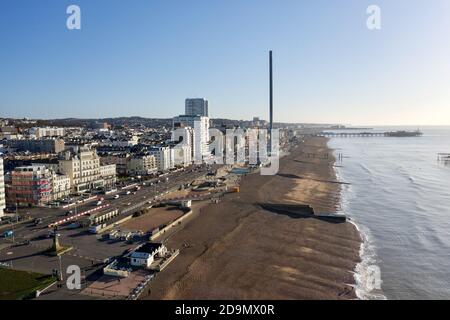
{"type": "Point", "coordinates": [30, 186]}
{"type": "Point", "coordinates": [82, 168]}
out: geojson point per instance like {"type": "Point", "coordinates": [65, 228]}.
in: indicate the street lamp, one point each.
{"type": "Point", "coordinates": [17, 219]}
{"type": "Point", "coordinates": [60, 269]}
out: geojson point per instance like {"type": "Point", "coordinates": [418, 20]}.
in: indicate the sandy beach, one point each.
{"type": "Point", "coordinates": [237, 250]}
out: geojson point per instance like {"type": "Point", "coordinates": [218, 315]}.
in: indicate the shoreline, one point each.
{"type": "Point", "coordinates": [237, 250]}
{"type": "Point", "coordinates": [364, 270]}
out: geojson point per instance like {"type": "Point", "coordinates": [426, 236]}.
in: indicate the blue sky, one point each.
{"type": "Point", "coordinates": [144, 57]}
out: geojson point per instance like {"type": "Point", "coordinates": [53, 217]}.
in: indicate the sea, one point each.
{"type": "Point", "coordinates": [398, 196]}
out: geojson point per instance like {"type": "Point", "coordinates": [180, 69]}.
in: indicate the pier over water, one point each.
{"type": "Point", "coordinates": [370, 134]}
{"type": "Point", "coordinates": [444, 157]}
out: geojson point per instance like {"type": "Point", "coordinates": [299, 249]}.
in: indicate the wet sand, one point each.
{"type": "Point", "coordinates": [240, 251]}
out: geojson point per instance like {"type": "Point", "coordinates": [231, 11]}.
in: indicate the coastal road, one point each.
{"type": "Point", "coordinates": [28, 231]}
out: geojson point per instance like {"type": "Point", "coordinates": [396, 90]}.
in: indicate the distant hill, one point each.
{"type": "Point", "coordinates": [136, 121]}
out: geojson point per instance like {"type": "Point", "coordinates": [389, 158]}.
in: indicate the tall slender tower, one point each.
{"type": "Point", "coordinates": [270, 100]}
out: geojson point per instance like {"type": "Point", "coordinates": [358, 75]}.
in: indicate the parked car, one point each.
{"type": "Point", "coordinates": [113, 234]}
{"type": "Point", "coordinates": [125, 236]}
{"type": "Point", "coordinates": [23, 243]}
{"type": "Point", "coordinates": [52, 233]}
{"type": "Point", "coordinates": [8, 233]}
{"type": "Point", "coordinates": [74, 225]}
{"type": "Point", "coordinates": [6, 218]}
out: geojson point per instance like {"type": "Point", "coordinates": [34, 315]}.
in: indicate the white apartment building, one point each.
{"type": "Point", "coordinates": [82, 168]}
{"type": "Point", "coordinates": [2, 188]}
{"type": "Point", "coordinates": [60, 186]}
{"type": "Point", "coordinates": [41, 132]}
{"type": "Point", "coordinates": [185, 136]}
{"type": "Point", "coordinates": [254, 151]}
{"type": "Point", "coordinates": [201, 134]}
{"type": "Point", "coordinates": [109, 175]}
{"type": "Point", "coordinates": [182, 155]}
{"type": "Point", "coordinates": [164, 157]}
{"type": "Point", "coordinates": [142, 165]}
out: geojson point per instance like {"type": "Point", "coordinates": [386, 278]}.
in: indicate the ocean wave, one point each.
{"type": "Point", "coordinates": [366, 169]}
{"type": "Point", "coordinates": [367, 273]}
{"type": "Point", "coordinates": [398, 201]}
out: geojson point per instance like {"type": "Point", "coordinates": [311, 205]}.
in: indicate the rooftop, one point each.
{"type": "Point", "coordinates": [149, 247]}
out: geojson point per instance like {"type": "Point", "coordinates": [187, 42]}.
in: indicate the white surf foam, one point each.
{"type": "Point", "coordinates": [367, 276]}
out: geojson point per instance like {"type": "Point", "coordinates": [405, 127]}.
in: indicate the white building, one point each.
{"type": "Point", "coordinates": [47, 132]}
{"type": "Point", "coordinates": [109, 175]}
{"type": "Point", "coordinates": [182, 155]}
{"type": "Point", "coordinates": [142, 165]}
{"type": "Point", "coordinates": [82, 168]}
{"type": "Point", "coordinates": [123, 142]}
{"type": "Point", "coordinates": [196, 107]}
{"type": "Point", "coordinates": [2, 188]}
{"type": "Point", "coordinates": [164, 157]}
{"type": "Point", "coordinates": [255, 152]}
{"type": "Point", "coordinates": [201, 134]}
{"type": "Point", "coordinates": [144, 255]}
{"type": "Point", "coordinates": [184, 136]}
{"type": "Point", "coordinates": [60, 186]}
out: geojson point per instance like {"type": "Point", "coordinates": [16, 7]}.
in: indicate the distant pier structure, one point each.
{"type": "Point", "coordinates": [370, 134]}
{"type": "Point", "coordinates": [350, 134]}
{"type": "Point", "coordinates": [445, 157]}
